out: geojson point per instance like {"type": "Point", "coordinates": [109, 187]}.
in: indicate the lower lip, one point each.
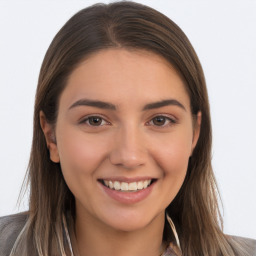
{"type": "Point", "coordinates": [128, 197]}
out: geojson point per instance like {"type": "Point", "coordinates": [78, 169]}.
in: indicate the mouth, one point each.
{"type": "Point", "coordinates": [122, 186]}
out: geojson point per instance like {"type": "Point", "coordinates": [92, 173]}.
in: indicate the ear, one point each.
{"type": "Point", "coordinates": [49, 137]}
{"type": "Point", "coordinates": [196, 132]}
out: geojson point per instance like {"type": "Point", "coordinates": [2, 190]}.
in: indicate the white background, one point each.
{"type": "Point", "coordinates": [224, 35]}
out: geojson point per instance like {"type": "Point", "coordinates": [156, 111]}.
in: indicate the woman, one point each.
{"type": "Point", "coordinates": [121, 154]}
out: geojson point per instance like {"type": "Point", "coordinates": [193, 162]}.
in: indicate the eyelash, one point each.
{"type": "Point", "coordinates": [171, 121]}
{"type": "Point", "coordinates": [87, 119]}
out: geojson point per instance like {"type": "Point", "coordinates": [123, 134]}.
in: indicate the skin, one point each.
{"type": "Point", "coordinates": [128, 142]}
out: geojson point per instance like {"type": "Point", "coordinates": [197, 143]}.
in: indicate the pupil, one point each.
{"type": "Point", "coordinates": [160, 120]}
{"type": "Point", "coordinates": [95, 121]}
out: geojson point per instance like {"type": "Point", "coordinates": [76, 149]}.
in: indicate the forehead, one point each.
{"type": "Point", "coordinates": [122, 75]}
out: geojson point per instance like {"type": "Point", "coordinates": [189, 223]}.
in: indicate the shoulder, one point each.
{"type": "Point", "coordinates": [243, 246]}
{"type": "Point", "coordinates": [10, 227]}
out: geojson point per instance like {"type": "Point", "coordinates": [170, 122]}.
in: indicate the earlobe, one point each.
{"type": "Point", "coordinates": [49, 137]}
{"type": "Point", "coordinates": [196, 132]}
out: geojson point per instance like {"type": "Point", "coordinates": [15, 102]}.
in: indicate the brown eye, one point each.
{"type": "Point", "coordinates": [159, 120]}
{"type": "Point", "coordinates": [162, 121]}
{"type": "Point", "coordinates": [94, 121]}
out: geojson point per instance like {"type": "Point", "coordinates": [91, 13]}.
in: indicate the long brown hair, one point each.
{"type": "Point", "coordinates": [129, 25]}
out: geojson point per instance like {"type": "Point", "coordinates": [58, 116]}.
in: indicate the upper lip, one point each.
{"type": "Point", "coordinates": [127, 179]}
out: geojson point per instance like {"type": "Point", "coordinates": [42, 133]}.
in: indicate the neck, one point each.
{"type": "Point", "coordinates": [96, 238]}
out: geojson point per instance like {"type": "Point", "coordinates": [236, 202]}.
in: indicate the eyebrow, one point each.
{"type": "Point", "coordinates": [93, 103]}
{"type": "Point", "coordinates": [164, 103]}
{"type": "Point", "coordinates": [110, 106]}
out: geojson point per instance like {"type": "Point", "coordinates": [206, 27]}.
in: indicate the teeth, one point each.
{"type": "Point", "coordinates": [133, 186]}
{"type": "Point", "coordinates": [140, 185]}
{"type": "Point", "coordinates": [117, 185]}
{"type": "Point", "coordinates": [111, 185]}
{"type": "Point", "coordinates": [125, 186]}
{"type": "Point", "coordinates": [145, 184]}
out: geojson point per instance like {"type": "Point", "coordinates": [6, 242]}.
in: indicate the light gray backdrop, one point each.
{"type": "Point", "coordinates": [224, 35]}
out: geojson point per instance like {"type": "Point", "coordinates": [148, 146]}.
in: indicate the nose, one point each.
{"type": "Point", "coordinates": [129, 149]}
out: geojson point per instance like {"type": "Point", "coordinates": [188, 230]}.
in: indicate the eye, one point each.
{"type": "Point", "coordinates": [162, 121]}
{"type": "Point", "coordinates": [94, 121]}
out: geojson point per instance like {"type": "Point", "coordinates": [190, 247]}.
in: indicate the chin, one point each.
{"type": "Point", "coordinates": [128, 226]}
{"type": "Point", "coordinates": [132, 222]}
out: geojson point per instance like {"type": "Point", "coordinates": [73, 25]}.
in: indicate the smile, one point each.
{"type": "Point", "coordinates": [128, 190]}
{"type": "Point", "coordinates": [127, 187]}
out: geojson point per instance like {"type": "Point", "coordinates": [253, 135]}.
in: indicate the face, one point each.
{"type": "Point", "coordinates": [124, 136]}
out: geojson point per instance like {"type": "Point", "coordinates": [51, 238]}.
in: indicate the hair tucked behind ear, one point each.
{"type": "Point", "coordinates": [194, 211]}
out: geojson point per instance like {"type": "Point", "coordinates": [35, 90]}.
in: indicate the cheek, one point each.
{"type": "Point", "coordinates": [173, 152]}
{"type": "Point", "coordinates": [172, 156]}
{"type": "Point", "coordinates": [80, 154]}
{"type": "Point", "coordinates": [174, 163]}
